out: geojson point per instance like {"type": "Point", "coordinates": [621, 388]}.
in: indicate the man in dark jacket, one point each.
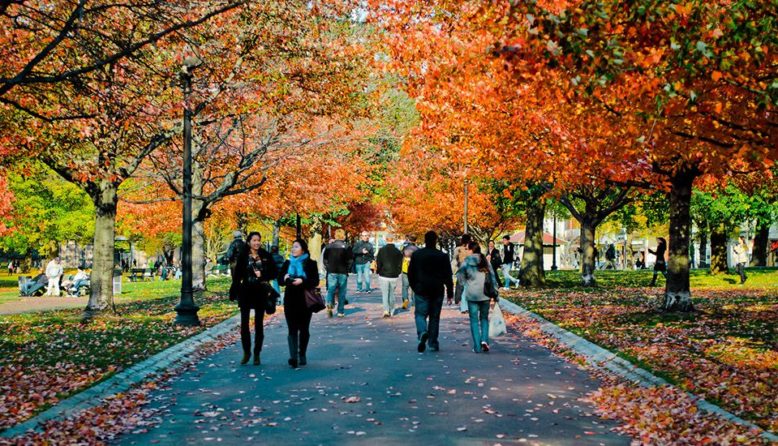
{"type": "Point", "coordinates": [234, 250]}
{"type": "Point", "coordinates": [507, 262]}
{"type": "Point", "coordinates": [430, 275]}
{"type": "Point", "coordinates": [279, 261]}
{"type": "Point", "coordinates": [363, 256]}
{"type": "Point", "coordinates": [389, 263]}
{"type": "Point", "coordinates": [338, 258]}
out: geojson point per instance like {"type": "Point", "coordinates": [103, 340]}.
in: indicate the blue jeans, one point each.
{"type": "Point", "coordinates": [363, 274]}
{"type": "Point", "coordinates": [428, 308]}
{"type": "Point", "coordinates": [406, 287]}
{"type": "Point", "coordinates": [337, 281]}
{"type": "Point", "coordinates": [479, 322]}
{"type": "Point", "coordinates": [506, 274]}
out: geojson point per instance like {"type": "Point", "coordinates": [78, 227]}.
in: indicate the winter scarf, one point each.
{"type": "Point", "coordinates": [296, 266]}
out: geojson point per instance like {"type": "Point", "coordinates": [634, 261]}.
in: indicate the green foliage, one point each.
{"type": "Point", "coordinates": [46, 210]}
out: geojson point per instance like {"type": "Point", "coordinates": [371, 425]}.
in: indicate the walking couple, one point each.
{"type": "Point", "coordinates": [255, 270]}
{"type": "Point", "coordinates": [430, 275]}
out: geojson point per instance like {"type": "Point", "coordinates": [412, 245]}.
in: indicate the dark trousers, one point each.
{"type": "Point", "coordinates": [298, 320]}
{"type": "Point", "coordinates": [428, 308]}
{"type": "Point", "coordinates": [741, 269]}
{"type": "Point", "coordinates": [245, 332]}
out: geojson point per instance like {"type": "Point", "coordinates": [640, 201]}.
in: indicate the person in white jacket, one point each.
{"type": "Point", "coordinates": [741, 258]}
{"type": "Point", "coordinates": [53, 274]}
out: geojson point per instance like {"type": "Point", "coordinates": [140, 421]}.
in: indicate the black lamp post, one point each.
{"type": "Point", "coordinates": [186, 308]}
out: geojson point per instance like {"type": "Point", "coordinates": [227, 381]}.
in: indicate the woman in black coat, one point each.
{"type": "Point", "coordinates": [254, 270]}
{"type": "Point", "coordinates": [494, 259]}
{"type": "Point", "coordinates": [298, 274]}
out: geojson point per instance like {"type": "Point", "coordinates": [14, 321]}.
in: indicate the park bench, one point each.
{"type": "Point", "coordinates": [140, 274]}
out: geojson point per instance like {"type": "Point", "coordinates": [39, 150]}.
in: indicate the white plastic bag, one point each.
{"type": "Point", "coordinates": [496, 322]}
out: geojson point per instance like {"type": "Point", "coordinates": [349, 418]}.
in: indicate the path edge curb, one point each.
{"type": "Point", "coordinates": [604, 359]}
{"type": "Point", "coordinates": [123, 380]}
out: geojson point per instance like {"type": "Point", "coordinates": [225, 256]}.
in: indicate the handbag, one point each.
{"type": "Point", "coordinates": [490, 290]}
{"type": "Point", "coordinates": [271, 297]}
{"type": "Point", "coordinates": [313, 299]}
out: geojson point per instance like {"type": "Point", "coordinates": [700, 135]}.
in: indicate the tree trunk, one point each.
{"type": "Point", "coordinates": [703, 262]}
{"type": "Point", "coordinates": [198, 255]}
{"type": "Point", "coordinates": [629, 253]}
{"type": "Point", "coordinates": [199, 214]}
{"type": "Point", "coordinates": [276, 232]}
{"type": "Point", "coordinates": [588, 228]}
{"type": "Point", "coordinates": [761, 240]}
{"type": "Point", "coordinates": [678, 296]}
{"type": "Point", "coordinates": [105, 199]}
{"type": "Point", "coordinates": [718, 250]}
{"type": "Point", "coordinates": [531, 273]}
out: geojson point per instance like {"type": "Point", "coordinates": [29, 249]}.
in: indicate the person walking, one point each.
{"type": "Point", "coordinates": [659, 265]}
{"type": "Point", "coordinates": [10, 267]}
{"type": "Point", "coordinates": [477, 276]}
{"type": "Point", "coordinates": [741, 258]}
{"type": "Point", "coordinates": [363, 257]}
{"type": "Point", "coordinates": [494, 259]}
{"type": "Point", "coordinates": [429, 274]}
{"type": "Point", "coordinates": [408, 249]}
{"type": "Point", "coordinates": [460, 253]}
{"type": "Point", "coordinates": [299, 273]}
{"type": "Point", "coordinates": [53, 274]}
{"type": "Point", "coordinates": [278, 259]}
{"type": "Point", "coordinates": [338, 259]}
{"type": "Point", "coordinates": [389, 262]}
{"type": "Point", "coordinates": [508, 255]}
{"type": "Point", "coordinates": [254, 269]}
{"type": "Point", "coordinates": [237, 246]}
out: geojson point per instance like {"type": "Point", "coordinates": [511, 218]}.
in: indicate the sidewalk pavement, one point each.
{"type": "Point", "coordinates": [366, 384]}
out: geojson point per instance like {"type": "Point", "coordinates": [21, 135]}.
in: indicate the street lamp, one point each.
{"type": "Point", "coordinates": [186, 308]}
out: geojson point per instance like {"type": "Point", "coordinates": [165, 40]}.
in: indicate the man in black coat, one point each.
{"type": "Point", "coordinates": [338, 258]}
{"type": "Point", "coordinates": [429, 274]}
{"type": "Point", "coordinates": [389, 264]}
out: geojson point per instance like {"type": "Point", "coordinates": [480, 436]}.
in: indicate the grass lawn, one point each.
{"type": "Point", "coordinates": [726, 351]}
{"type": "Point", "coordinates": [46, 356]}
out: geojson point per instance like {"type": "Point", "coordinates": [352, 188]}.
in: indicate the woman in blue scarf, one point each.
{"type": "Point", "coordinates": [298, 274]}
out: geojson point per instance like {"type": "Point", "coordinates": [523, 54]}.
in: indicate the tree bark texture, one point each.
{"type": "Point", "coordinates": [105, 198]}
{"type": "Point", "coordinates": [588, 259]}
{"type": "Point", "coordinates": [677, 293]}
{"type": "Point", "coordinates": [718, 249]}
{"type": "Point", "coordinates": [761, 240]}
{"type": "Point", "coordinates": [531, 273]}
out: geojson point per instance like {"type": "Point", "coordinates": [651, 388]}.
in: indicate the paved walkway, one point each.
{"type": "Point", "coordinates": [366, 384]}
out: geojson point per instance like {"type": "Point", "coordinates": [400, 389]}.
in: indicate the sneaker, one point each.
{"type": "Point", "coordinates": [434, 348]}
{"type": "Point", "coordinates": [329, 311]}
{"type": "Point", "coordinates": [341, 315]}
{"type": "Point", "coordinates": [484, 347]}
{"type": "Point", "coordinates": [405, 305]}
{"type": "Point", "coordinates": [423, 342]}
{"type": "Point", "coordinates": [387, 314]}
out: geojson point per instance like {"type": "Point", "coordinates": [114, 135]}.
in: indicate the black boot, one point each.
{"type": "Point", "coordinates": [293, 351]}
{"type": "Point", "coordinates": [246, 356]}
{"type": "Point", "coordinates": [304, 338]}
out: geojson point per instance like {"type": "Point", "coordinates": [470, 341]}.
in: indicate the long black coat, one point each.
{"type": "Point", "coordinates": [294, 296]}
{"type": "Point", "coordinates": [252, 293]}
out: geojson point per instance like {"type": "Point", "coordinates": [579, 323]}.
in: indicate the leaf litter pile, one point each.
{"type": "Point", "coordinates": [725, 352]}
{"type": "Point", "coordinates": [48, 356]}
